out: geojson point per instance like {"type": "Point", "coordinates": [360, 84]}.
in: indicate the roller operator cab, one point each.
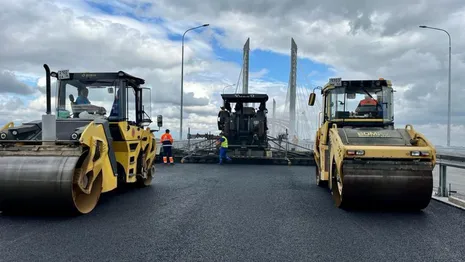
{"type": "Point", "coordinates": [100, 138]}
{"type": "Point", "coordinates": [361, 156]}
{"type": "Point", "coordinates": [245, 126]}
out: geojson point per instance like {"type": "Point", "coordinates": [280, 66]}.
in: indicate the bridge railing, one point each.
{"type": "Point", "coordinates": [192, 144]}
{"type": "Point", "coordinates": [447, 162]}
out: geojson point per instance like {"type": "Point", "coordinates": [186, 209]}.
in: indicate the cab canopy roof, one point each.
{"type": "Point", "coordinates": [357, 84]}
{"type": "Point", "coordinates": [97, 76]}
{"type": "Point", "coordinates": [244, 98]}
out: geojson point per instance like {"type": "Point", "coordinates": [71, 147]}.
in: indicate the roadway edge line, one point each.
{"type": "Point", "coordinates": [446, 201]}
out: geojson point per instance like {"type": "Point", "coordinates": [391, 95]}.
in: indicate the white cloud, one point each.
{"type": "Point", "coordinates": [10, 84]}
{"type": "Point", "coordinates": [356, 39]}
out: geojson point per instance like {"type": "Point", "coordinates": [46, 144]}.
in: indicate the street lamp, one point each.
{"type": "Point", "coordinates": [227, 86]}
{"type": "Point", "coordinates": [449, 95]}
{"type": "Point", "coordinates": [182, 75]}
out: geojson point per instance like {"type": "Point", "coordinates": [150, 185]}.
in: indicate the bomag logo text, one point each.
{"type": "Point", "coordinates": [88, 75]}
{"type": "Point", "coordinates": [371, 134]}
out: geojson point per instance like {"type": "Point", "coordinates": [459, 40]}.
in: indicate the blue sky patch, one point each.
{"type": "Point", "coordinates": [110, 9]}
{"type": "Point", "coordinates": [277, 65]}
{"type": "Point", "coordinates": [104, 8]}
{"type": "Point", "coordinates": [178, 37]}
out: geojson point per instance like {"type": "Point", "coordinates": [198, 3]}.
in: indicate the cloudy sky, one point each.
{"type": "Point", "coordinates": [336, 38]}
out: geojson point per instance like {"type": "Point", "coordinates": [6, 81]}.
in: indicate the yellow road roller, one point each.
{"type": "Point", "coordinates": [64, 162]}
{"type": "Point", "coordinates": [361, 157]}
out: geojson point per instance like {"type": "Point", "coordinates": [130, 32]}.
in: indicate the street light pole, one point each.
{"type": "Point", "coordinates": [227, 86]}
{"type": "Point", "coordinates": [182, 75]}
{"type": "Point", "coordinates": [449, 93]}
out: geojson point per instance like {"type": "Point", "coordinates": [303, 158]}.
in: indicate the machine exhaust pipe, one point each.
{"type": "Point", "coordinates": [48, 89]}
{"type": "Point", "coordinates": [48, 120]}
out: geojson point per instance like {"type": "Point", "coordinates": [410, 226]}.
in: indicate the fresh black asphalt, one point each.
{"type": "Point", "coordinates": [196, 212]}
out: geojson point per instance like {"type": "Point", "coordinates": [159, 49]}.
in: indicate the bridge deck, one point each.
{"type": "Point", "coordinates": [235, 213]}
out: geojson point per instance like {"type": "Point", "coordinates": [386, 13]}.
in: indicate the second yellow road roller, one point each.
{"type": "Point", "coordinates": [64, 162]}
{"type": "Point", "coordinates": [363, 159]}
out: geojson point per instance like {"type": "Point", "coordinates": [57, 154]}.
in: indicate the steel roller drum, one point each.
{"type": "Point", "coordinates": [43, 183]}
{"type": "Point", "coordinates": [393, 184]}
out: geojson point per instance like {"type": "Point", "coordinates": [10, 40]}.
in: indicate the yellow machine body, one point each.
{"type": "Point", "coordinates": [362, 158]}
{"type": "Point", "coordinates": [127, 153]}
{"type": "Point", "coordinates": [65, 162]}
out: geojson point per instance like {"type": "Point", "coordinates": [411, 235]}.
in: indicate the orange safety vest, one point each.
{"type": "Point", "coordinates": [166, 139]}
{"type": "Point", "coordinates": [369, 101]}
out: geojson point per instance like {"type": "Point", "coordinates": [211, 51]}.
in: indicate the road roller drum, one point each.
{"type": "Point", "coordinates": [44, 183]}
{"type": "Point", "coordinates": [393, 184]}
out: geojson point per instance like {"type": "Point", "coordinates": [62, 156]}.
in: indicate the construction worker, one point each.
{"type": "Point", "coordinates": [368, 103]}
{"type": "Point", "coordinates": [82, 98]}
{"type": "Point", "coordinates": [223, 142]}
{"type": "Point", "coordinates": [167, 142]}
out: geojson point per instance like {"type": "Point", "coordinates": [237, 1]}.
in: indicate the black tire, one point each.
{"type": "Point", "coordinates": [337, 196]}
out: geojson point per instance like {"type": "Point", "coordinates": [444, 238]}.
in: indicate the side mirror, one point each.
{"type": "Point", "coordinates": [311, 99]}
{"type": "Point", "coordinates": [159, 120]}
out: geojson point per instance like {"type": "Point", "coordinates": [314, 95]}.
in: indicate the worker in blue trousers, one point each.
{"type": "Point", "coordinates": [223, 142]}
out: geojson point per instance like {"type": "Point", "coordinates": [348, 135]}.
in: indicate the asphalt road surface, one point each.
{"type": "Point", "coordinates": [197, 212]}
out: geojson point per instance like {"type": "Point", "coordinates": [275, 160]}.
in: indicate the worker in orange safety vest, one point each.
{"type": "Point", "coordinates": [368, 101]}
{"type": "Point", "coordinates": [167, 142]}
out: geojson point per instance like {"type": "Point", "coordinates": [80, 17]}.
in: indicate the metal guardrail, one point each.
{"type": "Point", "coordinates": [188, 144]}
{"type": "Point", "coordinates": [444, 161]}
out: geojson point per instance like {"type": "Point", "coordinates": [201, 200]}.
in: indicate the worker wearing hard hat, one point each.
{"type": "Point", "coordinates": [167, 142]}
{"type": "Point", "coordinates": [223, 142]}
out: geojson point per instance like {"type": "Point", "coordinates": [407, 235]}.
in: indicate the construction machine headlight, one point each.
{"type": "Point", "coordinates": [256, 122]}
{"type": "Point", "coordinates": [419, 153]}
{"type": "Point", "coordinates": [2, 135]}
{"type": "Point", "coordinates": [355, 152]}
{"type": "Point", "coordinates": [74, 136]}
{"type": "Point", "coordinates": [14, 132]}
